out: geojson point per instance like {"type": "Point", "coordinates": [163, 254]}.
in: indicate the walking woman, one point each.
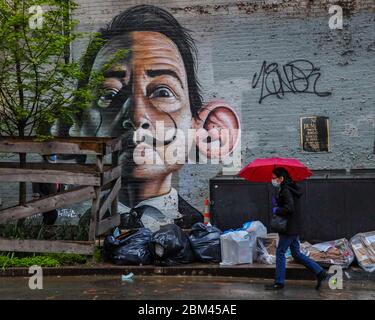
{"type": "Point", "coordinates": [286, 204]}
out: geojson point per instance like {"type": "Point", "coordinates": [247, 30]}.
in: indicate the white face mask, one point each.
{"type": "Point", "coordinates": [275, 183]}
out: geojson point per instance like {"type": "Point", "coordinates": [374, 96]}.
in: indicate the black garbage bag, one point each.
{"type": "Point", "coordinates": [205, 242]}
{"type": "Point", "coordinates": [171, 246]}
{"type": "Point", "coordinates": [133, 249]}
{"type": "Point", "coordinates": [133, 218]}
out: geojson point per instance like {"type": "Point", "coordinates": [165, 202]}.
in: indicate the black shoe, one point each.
{"type": "Point", "coordinates": [320, 278]}
{"type": "Point", "coordinates": [275, 286]}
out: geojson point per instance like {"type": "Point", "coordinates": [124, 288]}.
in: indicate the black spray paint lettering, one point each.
{"type": "Point", "coordinates": [298, 76]}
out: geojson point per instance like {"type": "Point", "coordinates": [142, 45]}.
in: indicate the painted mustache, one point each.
{"type": "Point", "coordinates": [152, 141]}
{"type": "Point", "coordinates": [146, 137]}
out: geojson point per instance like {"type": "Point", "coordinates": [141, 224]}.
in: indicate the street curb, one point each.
{"type": "Point", "coordinates": [294, 272]}
{"type": "Point", "coordinates": [253, 272]}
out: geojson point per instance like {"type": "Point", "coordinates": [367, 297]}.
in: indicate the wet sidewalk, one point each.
{"type": "Point", "coordinates": [180, 287]}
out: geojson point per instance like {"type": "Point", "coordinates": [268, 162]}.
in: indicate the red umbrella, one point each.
{"type": "Point", "coordinates": [260, 170]}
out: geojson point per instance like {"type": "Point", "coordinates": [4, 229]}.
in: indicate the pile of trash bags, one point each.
{"type": "Point", "coordinates": [171, 246]}
{"type": "Point", "coordinates": [168, 246]}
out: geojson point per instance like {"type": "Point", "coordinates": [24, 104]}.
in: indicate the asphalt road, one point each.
{"type": "Point", "coordinates": [155, 288]}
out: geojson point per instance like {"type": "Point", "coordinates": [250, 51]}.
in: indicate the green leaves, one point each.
{"type": "Point", "coordinates": [46, 260]}
{"type": "Point", "coordinates": [43, 261]}
{"type": "Point", "coordinates": [38, 81]}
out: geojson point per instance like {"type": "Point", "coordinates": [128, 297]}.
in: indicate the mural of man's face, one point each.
{"type": "Point", "coordinates": [148, 85]}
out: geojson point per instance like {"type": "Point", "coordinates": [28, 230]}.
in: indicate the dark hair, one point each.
{"type": "Point", "coordinates": [151, 18]}
{"type": "Point", "coordinates": [282, 172]}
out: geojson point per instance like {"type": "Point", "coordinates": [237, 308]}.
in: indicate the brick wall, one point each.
{"type": "Point", "coordinates": [234, 38]}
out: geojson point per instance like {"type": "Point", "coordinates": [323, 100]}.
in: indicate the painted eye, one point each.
{"type": "Point", "coordinates": [105, 100]}
{"type": "Point", "coordinates": [162, 92]}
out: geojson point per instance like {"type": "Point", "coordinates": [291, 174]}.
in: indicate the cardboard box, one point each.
{"type": "Point", "coordinates": [336, 252]}
{"type": "Point", "coordinates": [363, 245]}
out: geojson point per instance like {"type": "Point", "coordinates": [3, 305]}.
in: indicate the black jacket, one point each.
{"type": "Point", "coordinates": [190, 215]}
{"type": "Point", "coordinates": [288, 205]}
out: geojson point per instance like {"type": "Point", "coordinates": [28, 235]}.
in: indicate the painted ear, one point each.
{"type": "Point", "coordinates": [217, 129]}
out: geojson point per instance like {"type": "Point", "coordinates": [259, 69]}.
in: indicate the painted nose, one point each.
{"type": "Point", "coordinates": [142, 134]}
{"type": "Point", "coordinates": [131, 121]}
{"type": "Point", "coordinates": [145, 125]}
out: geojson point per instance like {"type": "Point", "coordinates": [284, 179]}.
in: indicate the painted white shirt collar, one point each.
{"type": "Point", "coordinates": [167, 204]}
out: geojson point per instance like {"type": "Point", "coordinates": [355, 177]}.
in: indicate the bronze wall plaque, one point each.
{"type": "Point", "coordinates": [315, 134]}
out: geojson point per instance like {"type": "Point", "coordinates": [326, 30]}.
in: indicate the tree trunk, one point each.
{"type": "Point", "coordinates": [22, 186]}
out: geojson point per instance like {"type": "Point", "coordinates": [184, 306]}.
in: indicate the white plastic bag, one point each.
{"type": "Point", "coordinates": [236, 248]}
{"type": "Point", "coordinates": [266, 248]}
{"type": "Point", "coordinates": [255, 229]}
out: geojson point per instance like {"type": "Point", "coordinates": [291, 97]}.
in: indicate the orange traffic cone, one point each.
{"type": "Point", "coordinates": [206, 213]}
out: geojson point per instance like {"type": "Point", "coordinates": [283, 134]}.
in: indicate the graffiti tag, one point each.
{"type": "Point", "coordinates": [298, 76]}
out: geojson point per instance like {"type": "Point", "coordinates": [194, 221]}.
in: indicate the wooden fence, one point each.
{"type": "Point", "coordinates": [89, 181]}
